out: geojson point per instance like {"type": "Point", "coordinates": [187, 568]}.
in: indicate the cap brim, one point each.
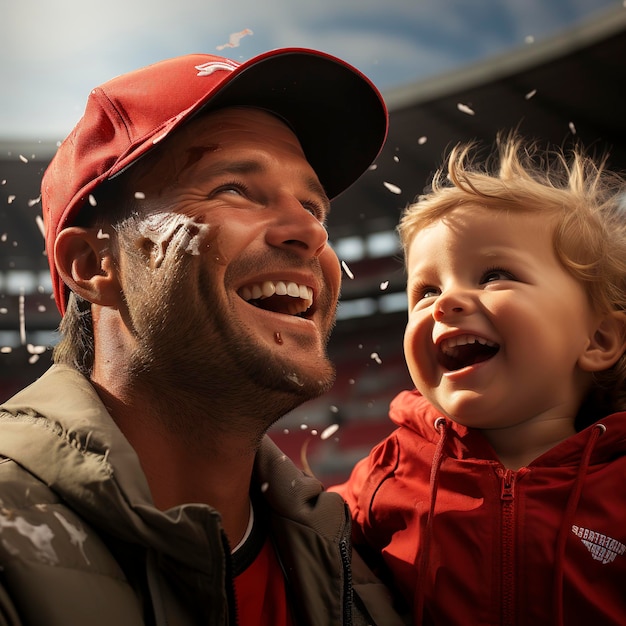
{"type": "Point", "coordinates": [336, 112]}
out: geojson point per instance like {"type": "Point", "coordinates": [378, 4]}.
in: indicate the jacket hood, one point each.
{"type": "Point", "coordinates": [59, 430]}
{"type": "Point", "coordinates": [411, 410]}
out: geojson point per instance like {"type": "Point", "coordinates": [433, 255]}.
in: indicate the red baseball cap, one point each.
{"type": "Point", "coordinates": [335, 111]}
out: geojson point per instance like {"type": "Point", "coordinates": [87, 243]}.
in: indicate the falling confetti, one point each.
{"type": "Point", "coordinates": [384, 285]}
{"type": "Point", "coordinates": [393, 188]}
{"type": "Point", "coordinates": [530, 94]}
{"type": "Point", "coordinates": [572, 128]}
{"type": "Point", "coordinates": [529, 39]}
{"type": "Point", "coordinates": [140, 195]}
{"type": "Point", "coordinates": [22, 318]}
{"type": "Point", "coordinates": [10, 199]}
{"type": "Point", "coordinates": [346, 269]}
{"type": "Point", "coordinates": [422, 140]}
{"type": "Point", "coordinates": [92, 200]}
{"type": "Point", "coordinates": [39, 222]}
{"type": "Point", "coordinates": [34, 201]}
{"type": "Point", "coordinates": [465, 109]}
{"type": "Point", "coordinates": [329, 431]}
{"type": "Point", "coordinates": [374, 356]}
{"type": "Point", "coordinates": [396, 159]}
{"type": "Point", "coordinates": [23, 159]}
{"type": "Point", "coordinates": [235, 38]}
{"type": "Point", "coordinates": [372, 167]}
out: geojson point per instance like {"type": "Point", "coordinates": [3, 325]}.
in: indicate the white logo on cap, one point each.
{"type": "Point", "coordinates": [213, 66]}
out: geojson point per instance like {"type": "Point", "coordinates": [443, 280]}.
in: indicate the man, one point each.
{"type": "Point", "coordinates": [185, 231]}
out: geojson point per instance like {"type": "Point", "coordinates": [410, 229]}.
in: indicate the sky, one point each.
{"type": "Point", "coordinates": [52, 53]}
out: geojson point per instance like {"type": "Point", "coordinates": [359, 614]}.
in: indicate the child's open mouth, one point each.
{"type": "Point", "coordinates": [461, 351]}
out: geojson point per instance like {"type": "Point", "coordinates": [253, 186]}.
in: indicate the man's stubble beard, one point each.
{"type": "Point", "coordinates": [218, 368]}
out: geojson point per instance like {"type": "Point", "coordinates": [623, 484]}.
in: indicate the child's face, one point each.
{"type": "Point", "coordinates": [496, 324]}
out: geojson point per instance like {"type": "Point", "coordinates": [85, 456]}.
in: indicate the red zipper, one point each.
{"type": "Point", "coordinates": [507, 497]}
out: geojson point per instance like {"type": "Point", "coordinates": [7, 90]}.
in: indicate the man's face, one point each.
{"type": "Point", "coordinates": [230, 285]}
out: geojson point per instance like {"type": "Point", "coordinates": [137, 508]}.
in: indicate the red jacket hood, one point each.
{"type": "Point", "coordinates": [409, 409]}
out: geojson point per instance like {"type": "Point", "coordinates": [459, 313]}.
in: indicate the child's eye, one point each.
{"type": "Point", "coordinates": [495, 274]}
{"type": "Point", "coordinates": [425, 292]}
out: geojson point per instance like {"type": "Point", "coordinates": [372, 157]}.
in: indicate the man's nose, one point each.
{"type": "Point", "coordinates": [296, 229]}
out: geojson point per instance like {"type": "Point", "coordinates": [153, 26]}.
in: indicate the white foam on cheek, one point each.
{"type": "Point", "coordinates": [173, 229]}
{"type": "Point", "coordinates": [40, 535]}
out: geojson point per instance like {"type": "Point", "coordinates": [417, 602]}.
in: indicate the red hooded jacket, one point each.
{"type": "Point", "coordinates": [470, 542]}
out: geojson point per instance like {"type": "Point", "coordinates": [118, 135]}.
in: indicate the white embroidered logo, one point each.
{"type": "Point", "coordinates": [207, 69]}
{"type": "Point", "coordinates": [601, 547]}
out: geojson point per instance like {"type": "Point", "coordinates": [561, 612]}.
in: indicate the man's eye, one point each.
{"type": "Point", "coordinates": [232, 188]}
{"type": "Point", "coordinates": [317, 211]}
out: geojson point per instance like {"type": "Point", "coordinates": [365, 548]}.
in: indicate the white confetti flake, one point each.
{"type": "Point", "coordinates": [6, 350]}
{"type": "Point", "coordinates": [265, 487]}
{"type": "Point", "coordinates": [35, 349]}
{"type": "Point", "coordinates": [3, 311]}
{"type": "Point", "coordinates": [396, 159]}
{"type": "Point", "coordinates": [304, 426]}
{"type": "Point", "coordinates": [34, 201]}
{"type": "Point", "coordinates": [92, 200]}
{"type": "Point", "coordinates": [235, 38]}
{"type": "Point", "coordinates": [384, 285]}
{"type": "Point", "coordinates": [465, 109]}
{"type": "Point", "coordinates": [329, 431]}
{"type": "Point", "coordinates": [393, 188]}
{"type": "Point", "coordinates": [22, 318]}
{"type": "Point", "coordinates": [39, 222]}
{"type": "Point", "coordinates": [333, 409]}
{"type": "Point", "coordinates": [530, 94]}
{"type": "Point", "coordinates": [102, 235]}
{"type": "Point", "coordinates": [346, 269]}
{"type": "Point", "coordinates": [572, 128]}
{"type": "Point", "coordinates": [374, 356]}
{"type": "Point", "coordinates": [23, 159]}
{"type": "Point", "coordinates": [422, 140]}
{"type": "Point", "coordinates": [10, 199]}
{"type": "Point", "coordinates": [285, 431]}
{"type": "Point", "coordinates": [140, 195]}
{"type": "Point", "coordinates": [529, 39]}
{"type": "Point", "coordinates": [372, 167]}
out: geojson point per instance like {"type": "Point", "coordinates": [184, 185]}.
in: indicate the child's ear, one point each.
{"type": "Point", "coordinates": [83, 259]}
{"type": "Point", "coordinates": [607, 344]}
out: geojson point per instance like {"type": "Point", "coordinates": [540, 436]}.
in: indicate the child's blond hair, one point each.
{"type": "Point", "coordinates": [585, 202]}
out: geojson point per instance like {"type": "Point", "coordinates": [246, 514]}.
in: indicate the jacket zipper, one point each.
{"type": "Point", "coordinates": [507, 497]}
{"type": "Point", "coordinates": [344, 547]}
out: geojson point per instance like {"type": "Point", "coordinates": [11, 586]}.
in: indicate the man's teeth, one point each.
{"type": "Point", "coordinates": [448, 345]}
{"type": "Point", "coordinates": [269, 288]}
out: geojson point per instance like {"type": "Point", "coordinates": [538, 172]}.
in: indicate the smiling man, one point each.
{"type": "Point", "coordinates": [185, 231]}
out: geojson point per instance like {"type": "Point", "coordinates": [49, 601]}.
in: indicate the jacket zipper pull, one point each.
{"type": "Point", "coordinates": [508, 485]}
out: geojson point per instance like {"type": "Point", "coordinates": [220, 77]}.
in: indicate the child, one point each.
{"type": "Point", "coordinates": [501, 497]}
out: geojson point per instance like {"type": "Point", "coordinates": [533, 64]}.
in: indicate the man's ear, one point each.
{"type": "Point", "coordinates": [84, 261]}
{"type": "Point", "coordinates": [607, 344]}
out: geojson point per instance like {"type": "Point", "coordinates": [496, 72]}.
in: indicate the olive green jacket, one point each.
{"type": "Point", "coordinates": [82, 543]}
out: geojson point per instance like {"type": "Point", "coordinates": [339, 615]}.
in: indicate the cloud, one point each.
{"type": "Point", "coordinates": [54, 52]}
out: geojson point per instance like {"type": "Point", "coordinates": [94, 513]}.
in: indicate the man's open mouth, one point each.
{"type": "Point", "coordinates": [461, 351]}
{"type": "Point", "coordinates": [279, 296]}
